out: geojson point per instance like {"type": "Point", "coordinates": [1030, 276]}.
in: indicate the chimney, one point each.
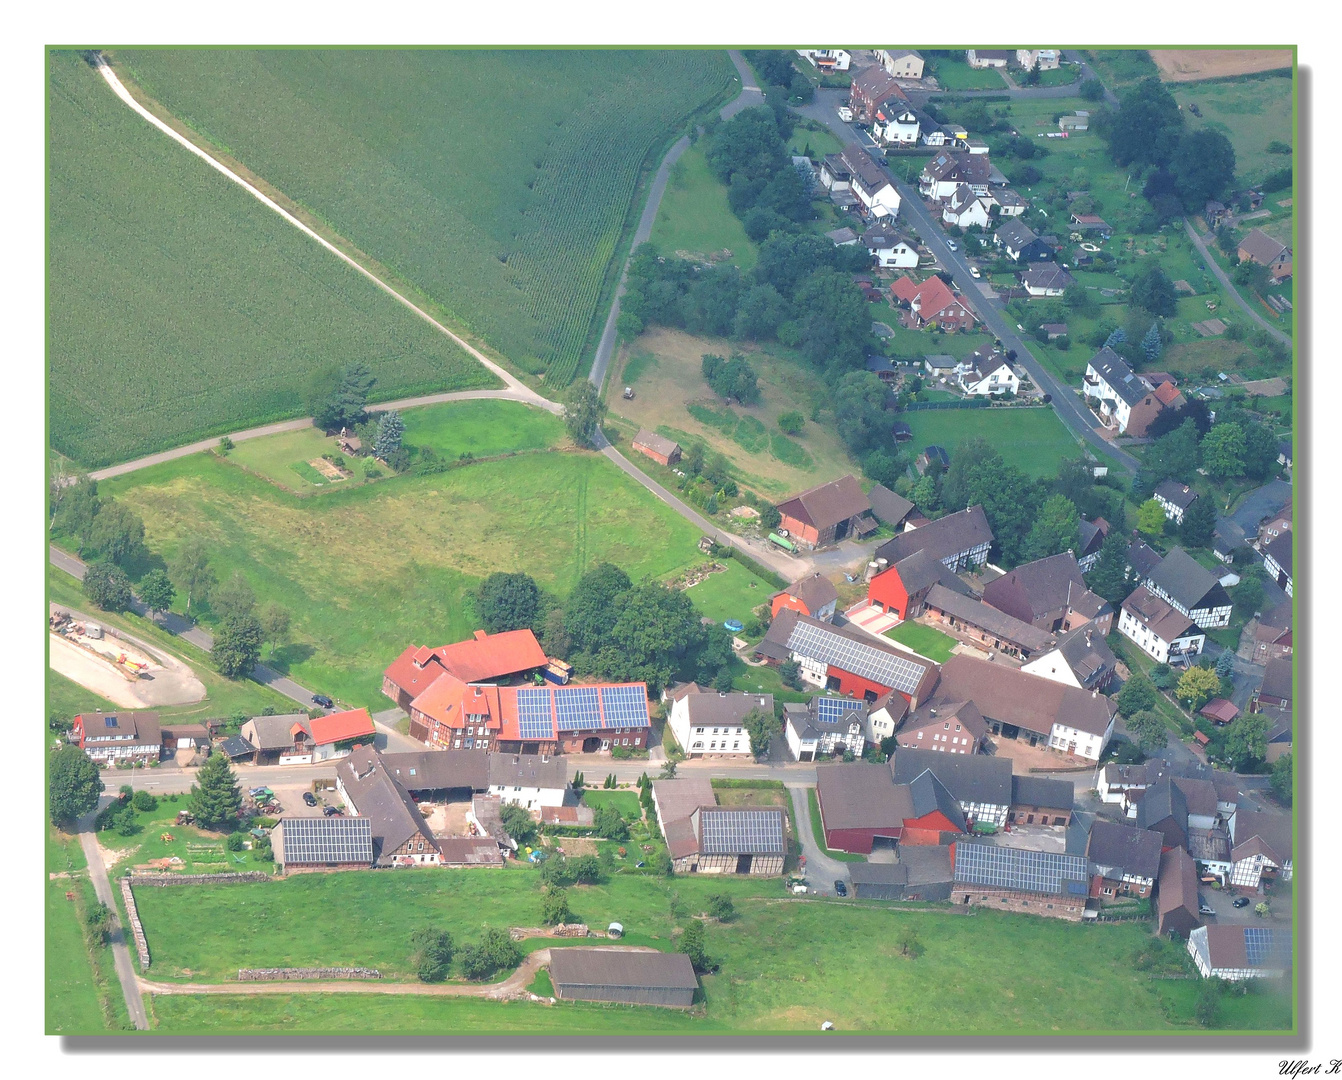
{"type": "Point", "coordinates": [480, 635]}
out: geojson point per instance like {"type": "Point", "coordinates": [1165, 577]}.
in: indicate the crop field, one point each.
{"type": "Point", "coordinates": [1251, 113]}
{"type": "Point", "coordinates": [671, 397]}
{"type": "Point", "coordinates": [1186, 65]}
{"type": "Point", "coordinates": [785, 964]}
{"type": "Point", "coordinates": [498, 184]}
{"type": "Point", "coordinates": [361, 583]}
{"type": "Point", "coordinates": [181, 307]}
{"type": "Point", "coordinates": [694, 220]}
{"type": "Point", "coordinates": [1033, 439]}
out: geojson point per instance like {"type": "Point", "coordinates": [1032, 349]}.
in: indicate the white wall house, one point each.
{"type": "Point", "coordinates": [1224, 952]}
{"type": "Point", "coordinates": [710, 723]}
{"type": "Point", "coordinates": [1157, 629]}
{"type": "Point", "coordinates": [890, 250]}
{"type": "Point", "coordinates": [901, 63]}
{"type": "Point", "coordinates": [901, 128]}
{"type": "Point", "coordinates": [966, 209]}
{"type": "Point", "coordinates": [1086, 744]}
{"type": "Point", "coordinates": [1114, 385]}
{"type": "Point", "coordinates": [986, 381]}
{"type": "Point", "coordinates": [1047, 59]}
{"type": "Point", "coordinates": [533, 798]}
{"type": "Point", "coordinates": [877, 194]}
{"type": "Point", "coordinates": [828, 59]}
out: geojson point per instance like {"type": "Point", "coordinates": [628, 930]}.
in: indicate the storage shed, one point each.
{"type": "Point", "coordinates": [629, 976]}
{"type": "Point", "coordinates": [662, 450]}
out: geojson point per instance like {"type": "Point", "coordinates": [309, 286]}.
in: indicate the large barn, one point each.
{"type": "Point", "coordinates": [628, 976]}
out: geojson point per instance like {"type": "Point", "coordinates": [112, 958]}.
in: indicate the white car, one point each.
{"type": "Point", "coordinates": [974, 272]}
{"type": "Point", "coordinates": [952, 245]}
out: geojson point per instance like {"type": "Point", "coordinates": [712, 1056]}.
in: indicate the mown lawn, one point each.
{"type": "Point", "coordinates": [732, 594]}
{"type": "Point", "coordinates": [181, 307]}
{"type": "Point", "coordinates": [927, 641]}
{"type": "Point", "coordinates": [786, 964]}
{"type": "Point", "coordinates": [1033, 439]}
{"type": "Point", "coordinates": [1250, 113]}
{"type": "Point", "coordinates": [369, 570]}
{"type": "Point", "coordinates": [958, 75]}
{"type": "Point", "coordinates": [398, 150]}
{"type": "Point", "coordinates": [626, 802]}
{"type": "Point", "coordinates": [481, 428]}
{"type": "Point", "coordinates": [694, 216]}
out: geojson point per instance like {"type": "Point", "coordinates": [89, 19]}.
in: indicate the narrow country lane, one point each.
{"type": "Point", "coordinates": [1228, 285]}
{"type": "Point", "coordinates": [821, 871]}
{"type": "Point", "coordinates": [102, 886]}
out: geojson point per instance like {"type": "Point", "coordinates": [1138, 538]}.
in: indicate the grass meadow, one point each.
{"type": "Point", "coordinates": [498, 184]}
{"type": "Point", "coordinates": [733, 594]}
{"type": "Point", "coordinates": [180, 307]}
{"type": "Point", "coordinates": [1250, 113]}
{"type": "Point", "coordinates": [1033, 439]}
{"type": "Point", "coordinates": [694, 217]}
{"type": "Point", "coordinates": [786, 963]}
{"type": "Point", "coordinates": [926, 641]}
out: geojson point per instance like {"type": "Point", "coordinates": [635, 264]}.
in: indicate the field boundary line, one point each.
{"type": "Point", "coordinates": [118, 88]}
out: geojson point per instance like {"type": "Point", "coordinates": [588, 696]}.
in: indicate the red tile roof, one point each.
{"type": "Point", "coordinates": [1168, 393]}
{"type": "Point", "coordinates": [450, 701]}
{"type": "Point", "coordinates": [933, 296]}
{"type": "Point", "coordinates": [478, 659]}
{"type": "Point", "coordinates": [339, 726]}
{"type": "Point", "coordinates": [904, 288]}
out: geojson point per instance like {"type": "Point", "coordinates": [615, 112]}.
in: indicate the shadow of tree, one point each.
{"type": "Point", "coordinates": [283, 658]}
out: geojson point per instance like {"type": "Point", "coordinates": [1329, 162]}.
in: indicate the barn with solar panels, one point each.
{"type": "Point", "coordinates": [573, 719]}
{"type": "Point", "coordinates": [323, 843]}
{"type": "Point", "coordinates": [1020, 879]}
{"type": "Point", "coordinates": [1241, 952]}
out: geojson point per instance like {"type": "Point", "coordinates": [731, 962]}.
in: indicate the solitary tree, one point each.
{"type": "Point", "coordinates": [1137, 694]}
{"type": "Point", "coordinates": [909, 944]}
{"type": "Point", "coordinates": [274, 625]}
{"type": "Point", "coordinates": [692, 945]}
{"type": "Point", "coordinates": [760, 726]}
{"type": "Point", "coordinates": [215, 798]}
{"type": "Point", "coordinates": [583, 410]}
{"type": "Point", "coordinates": [554, 907]}
{"type": "Point", "coordinates": [190, 571]}
{"type": "Point", "coordinates": [1199, 523]}
{"type": "Point", "coordinates": [1197, 686]}
{"type": "Point", "coordinates": [107, 586]}
{"type": "Point", "coordinates": [390, 431]}
{"type": "Point", "coordinates": [156, 591]}
{"type": "Point", "coordinates": [73, 783]}
{"type": "Point", "coordinates": [610, 824]}
{"type": "Point", "coordinates": [1225, 664]}
{"type": "Point", "coordinates": [720, 906]}
{"type": "Point", "coordinates": [237, 645]}
{"type": "Point", "coordinates": [1148, 731]}
{"type": "Point", "coordinates": [1151, 518]}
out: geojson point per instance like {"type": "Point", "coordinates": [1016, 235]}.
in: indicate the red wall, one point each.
{"type": "Point", "coordinates": [799, 529]}
{"type": "Point", "coordinates": [857, 841]}
{"type": "Point", "coordinates": [887, 590]}
{"type": "Point", "coordinates": [783, 600]}
{"type": "Point", "coordinates": [856, 686]}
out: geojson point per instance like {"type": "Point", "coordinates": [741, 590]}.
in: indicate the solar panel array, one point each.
{"type": "Point", "coordinates": [534, 718]}
{"type": "Point", "coordinates": [578, 707]}
{"type": "Point", "coordinates": [327, 840]}
{"type": "Point", "coordinates": [832, 710]}
{"type": "Point", "coordinates": [741, 832]}
{"type": "Point", "coordinates": [866, 661]}
{"type": "Point", "coordinates": [625, 706]}
{"type": "Point", "coordinates": [1017, 868]}
{"type": "Point", "coordinates": [1263, 943]}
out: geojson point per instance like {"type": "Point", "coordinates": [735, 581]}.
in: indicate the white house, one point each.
{"type": "Point", "coordinates": [1009, 202]}
{"type": "Point", "coordinates": [1081, 658]}
{"type": "Point", "coordinates": [870, 183]}
{"type": "Point", "coordinates": [889, 249]}
{"type": "Point", "coordinates": [835, 174]}
{"type": "Point", "coordinates": [1174, 499]}
{"type": "Point", "coordinates": [944, 173]}
{"type": "Point", "coordinates": [901, 63]}
{"type": "Point", "coordinates": [987, 58]}
{"type": "Point", "coordinates": [828, 59]}
{"type": "Point", "coordinates": [1047, 59]}
{"type": "Point", "coordinates": [529, 780]}
{"type": "Point", "coordinates": [896, 126]}
{"type": "Point", "coordinates": [828, 725]}
{"type": "Point", "coordinates": [1083, 742]}
{"type": "Point", "coordinates": [1157, 629]}
{"type": "Point", "coordinates": [987, 372]}
{"type": "Point", "coordinates": [1239, 952]}
{"type": "Point", "coordinates": [1115, 386]}
{"type": "Point", "coordinates": [709, 723]}
{"type": "Point", "coordinates": [1046, 279]}
{"type": "Point", "coordinates": [966, 209]}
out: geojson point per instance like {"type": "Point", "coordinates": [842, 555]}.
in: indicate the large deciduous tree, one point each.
{"type": "Point", "coordinates": [1223, 452]}
{"type": "Point", "coordinates": [591, 610]}
{"type": "Point", "coordinates": [106, 585]}
{"type": "Point", "coordinates": [233, 598]}
{"type": "Point", "coordinates": [117, 532]}
{"type": "Point", "coordinates": [1055, 530]}
{"type": "Point", "coordinates": [1196, 687]}
{"type": "Point", "coordinates": [583, 410]}
{"type": "Point", "coordinates": [1148, 731]}
{"type": "Point", "coordinates": [1147, 127]}
{"type": "Point", "coordinates": [1246, 743]}
{"type": "Point", "coordinates": [760, 726]}
{"type": "Point", "coordinates": [156, 591]}
{"type": "Point", "coordinates": [508, 602]}
{"type": "Point", "coordinates": [73, 784]}
{"type": "Point", "coordinates": [1203, 166]}
{"type": "Point", "coordinates": [237, 645]}
{"type": "Point", "coordinates": [1136, 696]}
{"type": "Point", "coordinates": [191, 572]}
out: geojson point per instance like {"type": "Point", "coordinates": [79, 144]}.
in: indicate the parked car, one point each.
{"type": "Point", "coordinates": [1204, 909]}
{"type": "Point", "coordinates": [331, 811]}
{"type": "Point", "coordinates": [974, 272]}
{"type": "Point", "coordinates": [322, 700]}
{"type": "Point", "coordinates": [952, 245]}
{"type": "Point", "coordinates": [1240, 901]}
{"type": "Point", "coordinates": [309, 798]}
{"type": "Point", "coordinates": [840, 889]}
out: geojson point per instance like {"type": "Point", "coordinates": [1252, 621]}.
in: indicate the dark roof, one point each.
{"type": "Point", "coordinates": [469, 851]}
{"type": "Point", "coordinates": [946, 537]}
{"type": "Point", "coordinates": [998, 623]}
{"type": "Point", "coordinates": [1175, 493]}
{"type": "Point", "coordinates": [377, 796]}
{"type": "Point", "coordinates": [1020, 869]}
{"type": "Point", "coordinates": [1178, 877]}
{"type": "Point", "coordinates": [1187, 582]}
{"type": "Point", "coordinates": [1261, 248]}
{"type": "Point", "coordinates": [1036, 589]}
{"type": "Point", "coordinates": [859, 795]}
{"type": "Point", "coordinates": [1277, 679]}
{"type": "Point", "coordinates": [1163, 800]}
{"type": "Point", "coordinates": [1011, 696]}
{"type": "Point", "coordinates": [930, 795]}
{"type": "Point", "coordinates": [439, 770]}
{"type": "Point", "coordinates": [1093, 534]}
{"type": "Point", "coordinates": [828, 504]}
{"type": "Point", "coordinates": [823, 714]}
{"type": "Point", "coordinates": [1086, 652]}
{"type": "Point", "coordinates": [922, 570]}
{"type": "Point", "coordinates": [865, 171]}
{"type": "Point", "coordinates": [1157, 616]}
{"type": "Point", "coordinates": [1279, 547]}
{"type": "Point", "coordinates": [888, 506]}
{"type": "Point", "coordinates": [1120, 849]}
{"type": "Point", "coordinates": [923, 864]}
{"type": "Point", "coordinates": [143, 725]}
{"type": "Point", "coordinates": [1047, 276]}
{"type": "Point", "coordinates": [1042, 791]}
{"type": "Point", "coordinates": [714, 707]}
{"type": "Point", "coordinates": [1015, 234]}
{"type": "Point", "coordinates": [1199, 795]}
{"type": "Point", "coordinates": [324, 840]}
{"type": "Point", "coordinates": [940, 711]}
{"type": "Point", "coordinates": [528, 770]}
{"type": "Point", "coordinates": [971, 778]}
{"type": "Point", "coordinates": [725, 830]}
{"type": "Point", "coordinates": [854, 651]}
{"type": "Point", "coordinates": [870, 873]}
{"type": "Point", "coordinates": [1239, 947]}
{"type": "Point", "coordinates": [814, 590]}
{"type": "Point", "coordinates": [1273, 829]}
{"type": "Point", "coordinates": [1143, 558]}
{"type": "Point", "coordinates": [883, 237]}
{"type": "Point", "coordinates": [676, 800]}
{"type": "Point", "coordinates": [625, 968]}
{"type": "Point", "coordinates": [235, 746]}
{"type": "Point", "coordinates": [1114, 370]}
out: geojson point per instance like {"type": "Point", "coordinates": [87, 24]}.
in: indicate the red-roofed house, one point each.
{"type": "Point", "coordinates": [341, 727]}
{"type": "Point", "coordinates": [933, 302]}
{"type": "Point", "coordinates": [1170, 396]}
{"type": "Point", "coordinates": [482, 658]}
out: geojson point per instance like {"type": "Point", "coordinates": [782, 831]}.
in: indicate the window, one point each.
{"type": "Point", "coordinates": [736, 746]}
{"type": "Point", "coordinates": [698, 731]}
{"type": "Point", "coordinates": [713, 745]}
{"type": "Point", "coordinates": [920, 734]}
{"type": "Point", "coordinates": [715, 731]}
{"type": "Point", "coordinates": [518, 787]}
{"type": "Point", "coordinates": [947, 725]}
{"type": "Point", "coordinates": [624, 742]}
{"type": "Point", "coordinates": [698, 746]}
{"type": "Point", "coordinates": [638, 739]}
{"type": "Point", "coordinates": [957, 727]}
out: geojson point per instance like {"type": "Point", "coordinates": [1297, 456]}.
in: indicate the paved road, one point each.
{"type": "Point", "coordinates": [1066, 402]}
{"type": "Point", "coordinates": [821, 870]}
{"type": "Point", "coordinates": [749, 96]}
{"type": "Point", "coordinates": [1229, 286]}
{"type": "Point", "coordinates": [125, 967]}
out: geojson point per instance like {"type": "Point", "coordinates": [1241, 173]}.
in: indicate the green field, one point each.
{"type": "Point", "coordinates": [694, 217]}
{"type": "Point", "coordinates": [1032, 439]}
{"type": "Point", "coordinates": [732, 594]}
{"type": "Point", "coordinates": [926, 641]}
{"type": "Point", "coordinates": [67, 698]}
{"type": "Point", "coordinates": [958, 75]}
{"type": "Point", "coordinates": [368, 570]}
{"type": "Point", "coordinates": [1250, 112]}
{"type": "Point", "coordinates": [181, 307]}
{"type": "Point", "coordinates": [497, 183]}
{"type": "Point", "coordinates": [786, 964]}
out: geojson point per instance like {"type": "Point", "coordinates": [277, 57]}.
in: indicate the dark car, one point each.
{"type": "Point", "coordinates": [309, 798]}
{"type": "Point", "coordinates": [840, 889]}
{"type": "Point", "coordinates": [330, 811]}
{"type": "Point", "coordinates": [1241, 901]}
{"type": "Point", "coordinates": [322, 700]}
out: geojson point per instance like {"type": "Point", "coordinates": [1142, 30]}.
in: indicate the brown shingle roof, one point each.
{"type": "Point", "coordinates": [943, 538]}
{"type": "Point", "coordinates": [659, 444]}
{"type": "Point", "coordinates": [860, 795]}
{"type": "Point", "coordinates": [1121, 849]}
{"type": "Point", "coordinates": [1157, 615]}
{"type": "Point", "coordinates": [889, 506]}
{"type": "Point", "coordinates": [1178, 877]}
{"type": "Point", "coordinates": [1261, 248]}
{"type": "Point", "coordinates": [815, 591]}
{"type": "Point", "coordinates": [828, 504]}
{"type": "Point", "coordinates": [1011, 696]}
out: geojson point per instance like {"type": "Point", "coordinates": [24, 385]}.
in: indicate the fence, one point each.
{"type": "Point", "coordinates": [137, 931]}
{"type": "Point", "coordinates": [281, 974]}
{"type": "Point", "coordinates": [967, 403]}
{"type": "Point", "coordinates": [200, 879]}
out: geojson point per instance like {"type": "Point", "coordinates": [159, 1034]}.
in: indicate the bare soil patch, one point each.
{"type": "Point", "coordinates": [1190, 65]}
{"type": "Point", "coordinates": [328, 469]}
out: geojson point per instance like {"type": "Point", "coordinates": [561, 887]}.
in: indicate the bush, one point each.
{"type": "Point", "coordinates": [431, 954]}
{"type": "Point", "coordinates": [144, 802]}
{"type": "Point", "coordinates": [791, 422]}
{"type": "Point", "coordinates": [789, 671]}
{"type": "Point", "coordinates": [720, 906]}
{"type": "Point", "coordinates": [234, 842]}
{"type": "Point", "coordinates": [554, 908]}
{"type": "Point", "coordinates": [496, 951]}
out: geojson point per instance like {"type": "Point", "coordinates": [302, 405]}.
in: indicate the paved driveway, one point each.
{"type": "Point", "coordinates": [821, 870]}
{"type": "Point", "coordinates": [1261, 503]}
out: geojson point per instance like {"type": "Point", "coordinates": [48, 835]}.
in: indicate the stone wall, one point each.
{"type": "Point", "coordinates": [281, 974]}
{"type": "Point", "coordinates": [137, 931]}
{"type": "Point", "coordinates": [200, 879]}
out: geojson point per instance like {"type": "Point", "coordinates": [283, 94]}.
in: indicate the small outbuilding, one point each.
{"type": "Point", "coordinates": [627, 976]}
{"type": "Point", "coordinates": [662, 450]}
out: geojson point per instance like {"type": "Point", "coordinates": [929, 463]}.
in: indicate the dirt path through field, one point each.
{"type": "Point", "coordinates": [513, 986]}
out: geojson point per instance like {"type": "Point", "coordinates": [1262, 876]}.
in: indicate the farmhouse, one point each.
{"type": "Point", "coordinates": [120, 736]}
{"type": "Point", "coordinates": [980, 784]}
{"type": "Point", "coordinates": [1278, 560]}
{"type": "Point", "coordinates": [982, 623]}
{"type": "Point", "coordinates": [1190, 589]}
{"type": "Point", "coordinates": [627, 976]}
{"type": "Point", "coordinates": [709, 723]}
{"type": "Point", "coordinates": [861, 807]}
{"type": "Point", "coordinates": [1174, 498]}
{"type": "Point", "coordinates": [1020, 879]}
{"type": "Point", "coordinates": [401, 837]}
{"type": "Point", "coordinates": [1156, 628]}
{"type": "Point", "coordinates": [813, 595]}
{"type": "Point", "coordinates": [828, 513]}
{"type": "Point", "coordinates": [1049, 593]}
{"type": "Point", "coordinates": [952, 727]}
{"type": "Point", "coordinates": [1241, 952]}
{"type": "Point", "coordinates": [958, 541]}
{"type": "Point", "coordinates": [903, 589]}
{"type": "Point", "coordinates": [294, 739]}
{"type": "Point", "coordinates": [1041, 799]}
{"type": "Point", "coordinates": [1018, 705]}
{"type": "Point", "coordinates": [1081, 658]}
{"type": "Point", "coordinates": [1177, 894]}
{"type": "Point", "coordinates": [527, 780]}
{"type": "Point", "coordinates": [848, 660]}
{"type": "Point", "coordinates": [1125, 859]}
{"type": "Point", "coordinates": [1276, 688]}
{"type": "Point", "coordinates": [1260, 248]}
{"type": "Point", "coordinates": [662, 450]}
{"type": "Point", "coordinates": [323, 843]}
{"type": "Point", "coordinates": [703, 837]}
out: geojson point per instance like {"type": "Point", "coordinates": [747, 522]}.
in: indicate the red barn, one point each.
{"type": "Point", "coordinates": [828, 513]}
{"type": "Point", "coordinates": [861, 806]}
{"type": "Point", "coordinates": [662, 450]}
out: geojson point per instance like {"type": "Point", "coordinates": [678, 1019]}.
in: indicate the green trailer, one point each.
{"type": "Point", "coordinates": [786, 545]}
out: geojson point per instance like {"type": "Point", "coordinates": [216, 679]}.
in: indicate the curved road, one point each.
{"type": "Point", "coordinates": [750, 96]}
{"type": "Point", "coordinates": [1225, 281]}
